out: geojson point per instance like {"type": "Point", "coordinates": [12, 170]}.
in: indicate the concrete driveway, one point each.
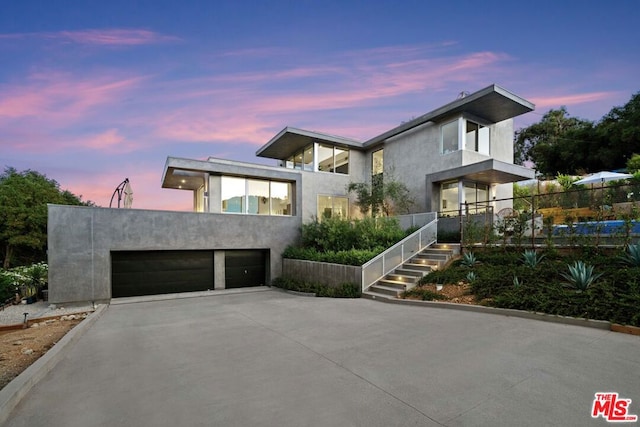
{"type": "Point", "coordinates": [273, 359]}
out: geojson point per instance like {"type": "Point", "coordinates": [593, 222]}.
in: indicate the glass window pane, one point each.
{"type": "Point", "coordinates": [325, 207]}
{"type": "Point", "coordinates": [377, 165]}
{"type": "Point", "coordinates": [308, 158]}
{"type": "Point", "coordinates": [471, 137]}
{"type": "Point", "coordinates": [342, 161]}
{"type": "Point", "coordinates": [449, 198]}
{"type": "Point", "coordinates": [450, 137]}
{"type": "Point", "coordinates": [470, 196]}
{"type": "Point", "coordinates": [281, 198]}
{"type": "Point", "coordinates": [341, 207]}
{"type": "Point", "coordinates": [258, 197]}
{"type": "Point", "coordinates": [325, 158]}
{"type": "Point", "coordinates": [233, 192]}
{"type": "Point", "coordinates": [297, 159]}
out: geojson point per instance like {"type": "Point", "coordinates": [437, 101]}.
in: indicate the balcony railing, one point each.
{"type": "Point", "coordinates": [383, 264]}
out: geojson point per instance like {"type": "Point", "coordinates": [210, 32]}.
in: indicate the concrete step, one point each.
{"type": "Point", "coordinates": [421, 259]}
{"type": "Point", "coordinates": [419, 267]}
{"type": "Point", "coordinates": [385, 290]}
{"type": "Point", "coordinates": [437, 251]}
{"type": "Point", "coordinates": [375, 295]}
{"type": "Point", "coordinates": [401, 286]}
{"type": "Point", "coordinates": [433, 256]}
{"type": "Point", "coordinates": [401, 278]}
{"type": "Point", "coordinates": [454, 247]}
{"type": "Point", "coordinates": [408, 272]}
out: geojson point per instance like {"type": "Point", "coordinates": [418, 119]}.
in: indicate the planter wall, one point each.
{"type": "Point", "coordinates": [321, 272]}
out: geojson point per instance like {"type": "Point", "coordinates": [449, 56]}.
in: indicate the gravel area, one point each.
{"type": "Point", "coordinates": [14, 314]}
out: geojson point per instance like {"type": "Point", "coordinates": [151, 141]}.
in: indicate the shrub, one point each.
{"type": "Point", "coordinates": [531, 258]}
{"type": "Point", "coordinates": [581, 275]}
{"type": "Point", "coordinates": [632, 255]}
{"type": "Point", "coordinates": [344, 290]}
{"type": "Point", "coordinates": [351, 257]}
{"type": "Point", "coordinates": [469, 259]}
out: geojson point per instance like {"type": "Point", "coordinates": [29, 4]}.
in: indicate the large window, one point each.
{"type": "Point", "coordinates": [333, 207]}
{"type": "Point", "coordinates": [476, 196]}
{"type": "Point", "coordinates": [256, 196]}
{"type": "Point", "coordinates": [377, 162]}
{"type": "Point", "coordinates": [449, 198]}
{"type": "Point", "coordinates": [302, 160]}
{"type": "Point", "coordinates": [477, 138]}
{"type": "Point", "coordinates": [329, 159]}
{"type": "Point", "coordinates": [450, 137]}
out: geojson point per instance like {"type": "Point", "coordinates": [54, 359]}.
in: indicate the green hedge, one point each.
{"type": "Point", "coordinates": [351, 257]}
{"type": "Point", "coordinates": [345, 290]}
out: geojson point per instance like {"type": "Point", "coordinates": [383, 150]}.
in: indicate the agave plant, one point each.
{"type": "Point", "coordinates": [531, 258]}
{"type": "Point", "coordinates": [516, 282]}
{"type": "Point", "coordinates": [472, 276]}
{"type": "Point", "coordinates": [632, 255]}
{"type": "Point", "coordinates": [581, 275]}
{"type": "Point", "coordinates": [469, 259]}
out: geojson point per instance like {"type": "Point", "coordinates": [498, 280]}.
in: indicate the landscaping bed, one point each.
{"type": "Point", "coordinates": [500, 277]}
{"type": "Point", "coordinates": [20, 348]}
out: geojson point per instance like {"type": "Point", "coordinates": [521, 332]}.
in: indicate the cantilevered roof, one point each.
{"type": "Point", "coordinates": [291, 140]}
{"type": "Point", "coordinates": [492, 103]}
{"type": "Point", "coordinates": [489, 171]}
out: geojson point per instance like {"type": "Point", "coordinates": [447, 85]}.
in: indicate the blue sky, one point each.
{"type": "Point", "coordinates": [93, 92]}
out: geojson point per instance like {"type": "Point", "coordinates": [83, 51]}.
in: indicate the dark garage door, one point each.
{"type": "Point", "coordinates": [244, 268]}
{"type": "Point", "coordinates": [135, 273]}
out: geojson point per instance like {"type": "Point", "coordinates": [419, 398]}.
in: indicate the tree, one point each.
{"type": "Point", "coordinates": [23, 212]}
{"type": "Point", "coordinates": [633, 164]}
{"type": "Point", "coordinates": [559, 144]}
{"type": "Point", "coordinates": [385, 195]}
{"type": "Point", "coordinates": [551, 143]}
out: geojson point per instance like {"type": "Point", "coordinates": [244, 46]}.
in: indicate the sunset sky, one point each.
{"type": "Point", "coordinates": [92, 92]}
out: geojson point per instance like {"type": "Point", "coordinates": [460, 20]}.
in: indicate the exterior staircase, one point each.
{"type": "Point", "coordinates": [408, 274]}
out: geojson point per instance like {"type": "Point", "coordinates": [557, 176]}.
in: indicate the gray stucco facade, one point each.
{"type": "Point", "coordinates": [81, 239]}
{"type": "Point", "coordinates": [245, 206]}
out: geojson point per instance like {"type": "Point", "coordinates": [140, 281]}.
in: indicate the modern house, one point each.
{"type": "Point", "coordinates": [246, 214]}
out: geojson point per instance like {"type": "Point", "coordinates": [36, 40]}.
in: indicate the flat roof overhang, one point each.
{"type": "Point", "coordinates": [489, 171]}
{"type": "Point", "coordinates": [492, 103]}
{"type": "Point", "coordinates": [291, 140]}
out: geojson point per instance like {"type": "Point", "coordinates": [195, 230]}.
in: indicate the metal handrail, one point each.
{"type": "Point", "coordinates": [404, 257]}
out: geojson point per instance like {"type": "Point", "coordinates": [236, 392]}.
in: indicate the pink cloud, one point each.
{"type": "Point", "coordinates": [100, 37]}
{"type": "Point", "coordinates": [573, 99]}
{"type": "Point", "coordinates": [60, 97]}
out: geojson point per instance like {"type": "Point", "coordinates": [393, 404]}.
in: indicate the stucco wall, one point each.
{"type": "Point", "coordinates": [321, 272]}
{"type": "Point", "coordinates": [80, 240]}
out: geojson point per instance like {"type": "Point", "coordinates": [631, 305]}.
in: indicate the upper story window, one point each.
{"type": "Point", "coordinates": [329, 159]}
{"type": "Point", "coordinates": [256, 196]}
{"type": "Point", "coordinates": [302, 160]}
{"type": "Point", "coordinates": [377, 162]}
{"type": "Point", "coordinates": [476, 137]}
{"type": "Point", "coordinates": [450, 137]}
{"type": "Point", "coordinates": [333, 159]}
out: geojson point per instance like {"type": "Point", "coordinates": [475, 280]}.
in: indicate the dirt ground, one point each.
{"type": "Point", "coordinates": [20, 348]}
{"type": "Point", "coordinates": [456, 293]}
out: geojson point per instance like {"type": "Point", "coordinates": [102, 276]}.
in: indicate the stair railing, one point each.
{"type": "Point", "coordinates": [392, 258]}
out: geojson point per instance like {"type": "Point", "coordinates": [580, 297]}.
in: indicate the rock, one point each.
{"type": "Point", "coordinates": [64, 318]}
{"type": "Point", "coordinates": [17, 343]}
{"type": "Point", "coordinates": [50, 321]}
{"type": "Point", "coordinates": [35, 325]}
{"type": "Point", "coordinates": [72, 317]}
{"type": "Point", "coordinates": [26, 351]}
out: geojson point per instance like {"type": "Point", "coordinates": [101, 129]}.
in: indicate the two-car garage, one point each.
{"type": "Point", "coordinates": [136, 273]}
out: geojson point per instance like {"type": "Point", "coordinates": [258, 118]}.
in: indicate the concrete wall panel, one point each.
{"type": "Point", "coordinates": [81, 240]}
